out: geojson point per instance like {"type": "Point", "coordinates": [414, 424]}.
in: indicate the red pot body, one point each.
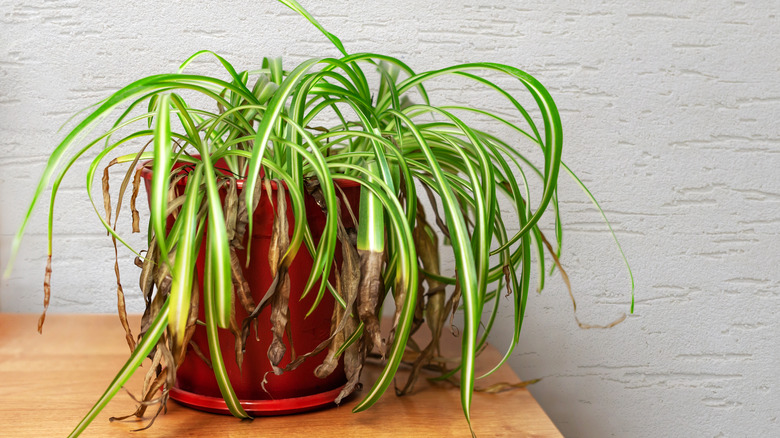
{"type": "Point", "coordinates": [261, 391]}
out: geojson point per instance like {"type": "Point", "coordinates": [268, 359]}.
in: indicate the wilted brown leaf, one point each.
{"type": "Point", "coordinates": [240, 285]}
{"type": "Point", "coordinates": [312, 186]}
{"type": "Point", "coordinates": [153, 371]}
{"type": "Point", "coordinates": [336, 340]}
{"type": "Point", "coordinates": [106, 193]}
{"type": "Point", "coordinates": [347, 284]}
{"type": "Point", "coordinates": [354, 357]}
{"type": "Point", "coordinates": [280, 310]}
{"type": "Point", "coordinates": [400, 297]}
{"type": "Point", "coordinates": [120, 295]}
{"type": "Point", "coordinates": [192, 319]}
{"type": "Point", "coordinates": [146, 279]}
{"type": "Point", "coordinates": [280, 237]}
{"type": "Point", "coordinates": [497, 387]}
{"type": "Point", "coordinates": [434, 206]}
{"type": "Point", "coordinates": [506, 386]}
{"type": "Point", "coordinates": [123, 188]}
{"type": "Point", "coordinates": [280, 314]}
{"type": "Point", "coordinates": [369, 293]}
{"type": "Point", "coordinates": [231, 208]}
{"type": "Point", "coordinates": [161, 276]}
{"type": "Point", "coordinates": [159, 376]}
{"type": "Point", "coordinates": [133, 197]}
{"type": "Point", "coordinates": [46, 293]}
{"type": "Point", "coordinates": [198, 352]}
{"type": "Point", "coordinates": [120, 302]}
{"type": "Point", "coordinates": [242, 217]}
{"type": "Point", "coordinates": [566, 281]}
{"type": "Point", "coordinates": [240, 341]}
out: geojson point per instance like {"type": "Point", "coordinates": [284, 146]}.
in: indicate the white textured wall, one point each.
{"type": "Point", "coordinates": [671, 117]}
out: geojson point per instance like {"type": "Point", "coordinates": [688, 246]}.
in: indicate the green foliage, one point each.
{"type": "Point", "coordinates": [266, 124]}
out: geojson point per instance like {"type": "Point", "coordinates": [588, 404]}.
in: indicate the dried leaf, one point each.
{"type": "Point", "coordinates": [288, 331]}
{"type": "Point", "coordinates": [350, 269]}
{"type": "Point", "coordinates": [269, 192]}
{"type": "Point", "coordinates": [505, 386]}
{"type": "Point", "coordinates": [146, 279]}
{"type": "Point", "coordinates": [280, 314]}
{"type": "Point", "coordinates": [280, 310]}
{"type": "Point", "coordinates": [198, 352]}
{"type": "Point", "coordinates": [346, 286]}
{"type": "Point", "coordinates": [162, 279]}
{"type": "Point", "coordinates": [107, 194]}
{"type": "Point", "coordinates": [347, 204]}
{"type": "Point", "coordinates": [312, 186]}
{"type": "Point", "coordinates": [159, 381]}
{"type": "Point", "coordinates": [173, 193]}
{"type": "Point", "coordinates": [46, 294]}
{"type": "Point", "coordinates": [422, 359]}
{"type": "Point", "coordinates": [157, 377]}
{"type": "Point", "coordinates": [191, 324]}
{"type": "Point", "coordinates": [565, 278]}
{"type": "Point", "coordinates": [170, 362]}
{"type": "Point", "coordinates": [351, 288]}
{"type": "Point", "coordinates": [240, 341]}
{"type": "Point", "coordinates": [123, 187]}
{"type": "Point", "coordinates": [240, 285]}
{"type": "Point", "coordinates": [242, 221]}
{"type": "Point", "coordinates": [120, 302]}
{"type": "Point", "coordinates": [264, 302]}
{"type": "Point", "coordinates": [120, 295]}
{"type": "Point", "coordinates": [439, 221]}
{"type": "Point", "coordinates": [370, 290]}
{"type": "Point", "coordinates": [154, 417]}
{"type": "Point", "coordinates": [152, 373]}
{"type": "Point", "coordinates": [133, 197]}
{"type": "Point", "coordinates": [354, 357]}
{"type": "Point", "coordinates": [162, 275]}
{"type": "Point", "coordinates": [242, 290]}
{"type": "Point", "coordinates": [231, 208]}
{"type": "Point", "coordinates": [400, 297]}
{"type": "Point", "coordinates": [427, 245]}
{"type": "Point", "coordinates": [497, 387]}
{"type": "Point", "coordinates": [280, 237]}
{"type": "Point", "coordinates": [337, 338]}
{"type": "Point", "coordinates": [194, 304]}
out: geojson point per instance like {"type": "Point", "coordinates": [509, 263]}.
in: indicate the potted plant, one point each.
{"type": "Point", "coordinates": [315, 195]}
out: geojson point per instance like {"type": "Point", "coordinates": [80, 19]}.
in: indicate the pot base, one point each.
{"type": "Point", "coordinates": [260, 408]}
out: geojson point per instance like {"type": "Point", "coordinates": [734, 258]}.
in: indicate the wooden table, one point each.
{"type": "Point", "coordinates": [48, 382]}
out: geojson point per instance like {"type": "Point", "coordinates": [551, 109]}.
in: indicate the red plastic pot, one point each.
{"type": "Point", "coordinates": [261, 391]}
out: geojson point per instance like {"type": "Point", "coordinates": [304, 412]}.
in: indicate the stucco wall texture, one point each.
{"type": "Point", "coordinates": [670, 112]}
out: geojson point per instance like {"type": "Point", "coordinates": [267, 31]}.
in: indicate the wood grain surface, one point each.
{"type": "Point", "coordinates": [48, 382]}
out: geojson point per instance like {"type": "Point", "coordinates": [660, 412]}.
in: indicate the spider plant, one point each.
{"type": "Point", "coordinates": [413, 160]}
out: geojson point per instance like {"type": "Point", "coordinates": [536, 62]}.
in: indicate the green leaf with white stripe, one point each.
{"type": "Point", "coordinates": [161, 168]}
{"type": "Point", "coordinates": [183, 269]}
{"type": "Point", "coordinates": [217, 362]}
